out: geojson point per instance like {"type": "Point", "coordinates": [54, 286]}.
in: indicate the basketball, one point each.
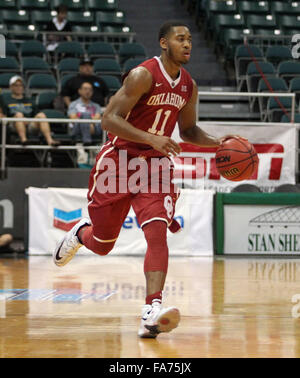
{"type": "Point", "coordinates": [236, 159]}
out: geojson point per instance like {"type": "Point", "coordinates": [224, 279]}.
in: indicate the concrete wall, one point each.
{"type": "Point", "coordinates": [13, 200]}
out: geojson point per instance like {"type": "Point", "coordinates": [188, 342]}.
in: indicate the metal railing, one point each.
{"type": "Point", "coordinates": [250, 94]}
{"type": "Point", "coordinates": [7, 120]}
{"type": "Point", "coordinates": [5, 146]}
{"type": "Point", "coordinates": [130, 36]}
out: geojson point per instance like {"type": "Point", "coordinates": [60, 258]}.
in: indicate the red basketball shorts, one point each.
{"type": "Point", "coordinates": [118, 182]}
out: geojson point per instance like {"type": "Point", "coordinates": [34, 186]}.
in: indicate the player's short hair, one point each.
{"type": "Point", "coordinates": [167, 27]}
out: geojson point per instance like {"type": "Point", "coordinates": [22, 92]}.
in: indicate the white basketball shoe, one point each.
{"type": "Point", "coordinates": [69, 244]}
{"type": "Point", "coordinates": [156, 319]}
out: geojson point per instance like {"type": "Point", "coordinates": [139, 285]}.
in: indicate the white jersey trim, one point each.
{"type": "Point", "coordinates": [173, 83]}
{"type": "Point", "coordinates": [104, 241]}
{"type": "Point", "coordinates": [155, 219]}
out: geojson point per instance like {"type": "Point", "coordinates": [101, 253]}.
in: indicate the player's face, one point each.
{"type": "Point", "coordinates": [178, 44]}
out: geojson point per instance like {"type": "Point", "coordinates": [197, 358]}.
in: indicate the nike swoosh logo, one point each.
{"type": "Point", "coordinates": [57, 253]}
{"type": "Point", "coordinates": [158, 84]}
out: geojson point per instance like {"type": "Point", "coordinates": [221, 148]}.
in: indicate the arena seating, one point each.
{"type": "Point", "coordinates": [23, 22]}
{"type": "Point", "coordinates": [266, 25]}
{"type": "Point", "coordinates": [265, 62]}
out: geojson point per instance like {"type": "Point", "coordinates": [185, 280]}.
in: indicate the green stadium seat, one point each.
{"type": "Point", "coordinates": [286, 119]}
{"type": "Point", "coordinates": [255, 21]}
{"type": "Point", "coordinates": [253, 7]}
{"type": "Point", "coordinates": [276, 54]}
{"type": "Point", "coordinates": [295, 87]}
{"type": "Point", "coordinates": [40, 18]}
{"type": "Point", "coordinates": [4, 80]}
{"type": "Point", "coordinates": [11, 49]}
{"type": "Point", "coordinates": [60, 130]}
{"type": "Point", "coordinates": [215, 6]}
{"type": "Point", "coordinates": [12, 16]}
{"type": "Point", "coordinates": [34, 64]}
{"type": "Point", "coordinates": [101, 49]}
{"type": "Point", "coordinates": [253, 76]}
{"type": "Point", "coordinates": [117, 34]}
{"type": "Point", "coordinates": [32, 48]}
{"type": "Point", "coordinates": [243, 56]}
{"type": "Point", "coordinates": [288, 69]}
{"type": "Point", "coordinates": [39, 83]}
{"type": "Point", "coordinates": [84, 29]}
{"type": "Point", "coordinates": [220, 22]}
{"type": "Point", "coordinates": [132, 63]}
{"type": "Point", "coordinates": [274, 111]}
{"type": "Point", "coordinates": [230, 39]}
{"type": "Point", "coordinates": [44, 100]}
{"type": "Point", "coordinates": [277, 84]}
{"type": "Point", "coordinates": [112, 82]}
{"type": "Point", "coordinates": [102, 5]}
{"type": "Point", "coordinates": [116, 29]}
{"type": "Point", "coordinates": [8, 4]}
{"type": "Point", "coordinates": [80, 18]}
{"type": "Point", "coordinates": [68, 49]}
{"type": "Point", "coordinates": [288, 22]}
{"type": "Point", "coordinates": [64, 79]}
{"type": "Point", "coordinates": [19, 31]}
{"type": "Point", "coordinates": [71, 4]}
{"type": "Point", "coordinates": [9, 64]}
{"type": "Point", "coordinates": [107, 67]}
{"type": "Point", "coordinates": [131, 50]}
{"type": "Point", "coordinates": [67, 66]}
{"type": "Point", "coordinates": [110, 18]}
{"type": "Point", "coordinates": [33, 4]}
{"type": "Point", "coordinates": [285, 7]}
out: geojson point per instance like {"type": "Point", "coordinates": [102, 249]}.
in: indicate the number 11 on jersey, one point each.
{"type": "Point", "coordinates": [159, 115]}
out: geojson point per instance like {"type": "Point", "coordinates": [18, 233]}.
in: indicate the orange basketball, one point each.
{"type": "Point", "coordinates": [236, 159]}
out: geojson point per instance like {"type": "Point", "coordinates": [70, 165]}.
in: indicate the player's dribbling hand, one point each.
{"type": "Point", "coordinates": [222, 140]}
{"type": "Point", "coordinates": [165, 145]}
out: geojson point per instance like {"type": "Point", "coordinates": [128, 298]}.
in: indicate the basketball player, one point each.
{"type": "Point", "coordinates": [140, 119]}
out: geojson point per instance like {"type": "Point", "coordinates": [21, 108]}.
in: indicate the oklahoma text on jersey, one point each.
{"type": "Point", "coordinates": [167, 99]}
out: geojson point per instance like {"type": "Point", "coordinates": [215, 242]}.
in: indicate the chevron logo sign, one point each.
{"type": "Point", "coordinates": [65, 220]}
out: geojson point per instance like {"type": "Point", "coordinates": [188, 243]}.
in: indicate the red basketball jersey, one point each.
{"type": "Point", "coordinates": [157, 111]}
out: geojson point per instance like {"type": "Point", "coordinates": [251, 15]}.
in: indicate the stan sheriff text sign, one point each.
{"type": "Point", "coordinates": [258, 223]}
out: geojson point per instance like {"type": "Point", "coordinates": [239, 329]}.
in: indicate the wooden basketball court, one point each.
{"type": "Point", "coordinates": [230, 307]}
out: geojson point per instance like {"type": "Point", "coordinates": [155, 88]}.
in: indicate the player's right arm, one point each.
{"type": "Point", "coordinates": [136, 84]}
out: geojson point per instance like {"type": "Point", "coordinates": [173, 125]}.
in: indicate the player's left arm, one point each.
{"type": "Point", "coordinates": [189, 131]}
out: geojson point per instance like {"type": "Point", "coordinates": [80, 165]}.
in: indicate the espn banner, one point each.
{"type": "Point", "coordinates": [54, 211]}
{"type": "Point", "coordinates": [274, 144]}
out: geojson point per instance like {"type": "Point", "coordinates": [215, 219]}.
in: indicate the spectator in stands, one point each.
{"type": "Point", "coordinates": [16, 104]}
{"type": "Point", "coordinates": [5, 240]}
{"type": "Point", "coordinates": [86, 74]}
{"type": "Point", "coordinates": [58, 24]}
{"type": "Point", "coordinates": [1, 107]}
{"type": "Point", "coordinates": [84, 108]}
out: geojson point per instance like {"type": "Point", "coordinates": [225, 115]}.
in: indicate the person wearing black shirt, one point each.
{"type": "Point", "coordinates": [59, 23]}
{"type": "Point", "coordinates": [86, 74]}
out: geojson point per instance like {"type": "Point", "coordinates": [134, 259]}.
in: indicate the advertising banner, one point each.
{"type": "Point", "coordinates": [54, 211]}
{"type": "Point", "coordinates": [258, 223]}
{"type": "Point", "coordinates": [274, 144]}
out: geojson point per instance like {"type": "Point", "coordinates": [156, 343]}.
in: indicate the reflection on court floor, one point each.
{"type": "Point", "coordinates": [231, 307]}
